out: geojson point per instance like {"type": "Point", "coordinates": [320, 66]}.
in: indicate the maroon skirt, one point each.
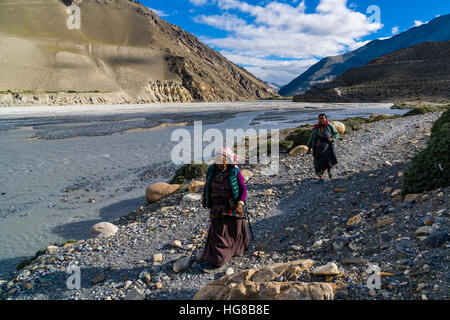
{"type": "Point", "coordinates": [227, 237]}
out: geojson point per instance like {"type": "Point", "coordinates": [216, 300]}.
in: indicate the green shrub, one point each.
{"type": "Point", "coordinates": [26, 262]}
{"type": "Point", "coordinates": [189, 171]}
{"type": "Point", "coordinates": [430, 169]}
{"type": "Point", "coordinates": [300, 136]}
{"type": "Point", "coordinates": [286, 144]}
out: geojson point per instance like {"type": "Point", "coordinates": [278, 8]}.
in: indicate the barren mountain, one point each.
{"type": "Point", "coordinates": [122, 53]}
{"type": "Point", "coordinates": [419, 72]}
{"type": "Point", "coordinates": [330, 68]}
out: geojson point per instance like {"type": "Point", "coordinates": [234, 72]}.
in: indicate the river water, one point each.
{"type": "Point", "coordinates": [63, 169]}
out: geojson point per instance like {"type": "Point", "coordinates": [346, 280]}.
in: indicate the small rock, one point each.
{"type": "Point", "coordinates": [354, 221]}
{"type": "Point", "coordinates": [193, 197]}
{"type": "Point", "coordinates": [158, 257]}
{"type": "Point", "coordinates": [247, 174]}
{"type": "Point", "coordinates": [384, 222]}
{"type": "Point", "coordinates": [159, 285]}
{"type": "Point", "coordinates": [182, 264]}
{"type": "Point", "coordinates": [177, 244]}
{"type": "Point", "coordinates": [412, 196]}
{"type": "Point", "coordinates": [424, 231]}
{"type": "Point", "coordinates": [28, 285]}
{"type": "Point", "coordinates": [229, 271]}
{"type": "Point", "coordinates": [103, 229]}
{"type": "Point", "coordinates": [268, 192]}
{"type": "Point", "coordinates": [127, 284]}
{"type": "Point", "coordinates": [135, 294]}
{"type": "Point", "coordinates": [317, 244]}
{"type": "Point", "coordinates": [99, 278]}
{"type": "Point", "coordinates": [396, 193]}
{"type": "Point", "coordinates": [387, 190]}
{"type": "Point", "coordinates": [436, 239]}
{"type": "Point", "coordinates": [51, 249]}
{"type": "Point", "coordinates": [330, 269]}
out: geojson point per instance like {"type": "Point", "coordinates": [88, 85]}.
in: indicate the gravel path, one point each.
{"type": "Point", "coordinates": [301, 219]}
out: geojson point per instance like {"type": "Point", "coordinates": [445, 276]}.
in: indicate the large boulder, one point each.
{"type": "Point", "coordinates": [339, 126]}
{"type": "Point", "coordinates": [261, 284]}
{"type": "Point", "coordinates": [159, 190]}
{"type": "Point", "coordinates": [298, 149]}
{"type": "Point", "coordinates": [103, 229]}
{"type": "Point", "coordinates": [247, 174]}
{"type": "Point", "coordinates": [197, 186]}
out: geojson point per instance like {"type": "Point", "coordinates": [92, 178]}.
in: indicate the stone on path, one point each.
{"type": "Point", "coordinates": [330, 269]}
{"type": "Point", "coordinates": [424, 231]}
{"type": "Point", "coordinates": [412, 196]}
{"type": "Point", "coordinates": [396, 193]}
{"type": "Point", "coordinates": [196, 186]}
{"type": "Point", "coordinates": [158, 257]}
{"type": "Point", "coordinates": [247, 174]}
{"type": "Point", "coordinates": [261, 284]}
{"type": "Point", "coordinates": [103, 229]}
{"type": "Point", "coordinates": [436, 239]}
{"type": "Point", "coordinates": [193, 197]}
{"type": "Point", "coordinates": [159, 190]}
{"type": "Point", "coordinates": [182, 264]}
{"type": "Point", "coordinates": [298, 150]}
{"type": "Point", "coordinates": [384, 222]}
{"type": "Point", "coordinates": [135, 294]}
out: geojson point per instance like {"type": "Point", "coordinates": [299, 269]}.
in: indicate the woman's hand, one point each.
{"type": "Point", "coordinates": [309, 150]}
{"type": "Point", "coordinates": [239, 208]}
{"type": "Point", "coordinates": [330, 140]}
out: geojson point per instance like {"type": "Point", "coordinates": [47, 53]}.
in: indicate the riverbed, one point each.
{"type": "Point", "coordinates": [63, 169]}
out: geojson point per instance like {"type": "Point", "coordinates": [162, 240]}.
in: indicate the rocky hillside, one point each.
{"type": "Point", "coordinates": [419, 72]}
{"type": "Point", "coordinates": [123, 53]}
{"type": "Point", "coordinates": [330, 68]}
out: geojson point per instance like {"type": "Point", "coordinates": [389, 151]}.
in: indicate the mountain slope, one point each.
{"type": "Point", "coordinates": [122, 53]}
{"type": "Point", "coordinates": [329, 68]}
{"type": "Point", "coordinates": [418, 72]}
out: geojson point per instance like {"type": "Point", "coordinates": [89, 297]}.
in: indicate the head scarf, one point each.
{"type": "Point", "coordinates": [232, 158]}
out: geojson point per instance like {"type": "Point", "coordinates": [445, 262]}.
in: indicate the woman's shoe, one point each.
{"type": "Point", "coordinates": [207, 267]}
{"type": "Point", "coordinates": [330, 175]}
{"type": "Point", "coordinates": [320, 180]}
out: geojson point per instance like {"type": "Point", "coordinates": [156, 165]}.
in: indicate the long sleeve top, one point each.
{"type": "Point", "coordinates": [333, 132]}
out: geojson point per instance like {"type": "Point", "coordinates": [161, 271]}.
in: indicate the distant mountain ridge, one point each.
{"type": "Point", "coordinates": [330, 68]}
{"type": "Point", "coordinates": [272, 85]}
{"type": "Point", "coordinates": [420, 72]}
{"type": "Point", "coordinates": [123, 53]}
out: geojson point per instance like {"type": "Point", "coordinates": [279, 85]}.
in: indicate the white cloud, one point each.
{"type": "Point", "coordinates": [159, 12]}
{"type": "Point", "coordinates": [418, 23]}
{"type": "Point", "coordinates": [286, 31]}
{"type": "Point", "coordinates": [201, 2]}
{"type": "Point", "coordinates": [395, 30]}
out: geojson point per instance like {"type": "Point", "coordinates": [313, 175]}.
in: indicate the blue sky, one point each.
{"type": "Point", "coordinates": [278, 40]}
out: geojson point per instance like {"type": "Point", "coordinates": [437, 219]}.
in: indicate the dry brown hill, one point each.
{"type": "Point", "coordinates": [122, 53]}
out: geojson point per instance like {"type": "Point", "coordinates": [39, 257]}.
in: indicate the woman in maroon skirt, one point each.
{"type": "Point", "coordinates": [224, 194]}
